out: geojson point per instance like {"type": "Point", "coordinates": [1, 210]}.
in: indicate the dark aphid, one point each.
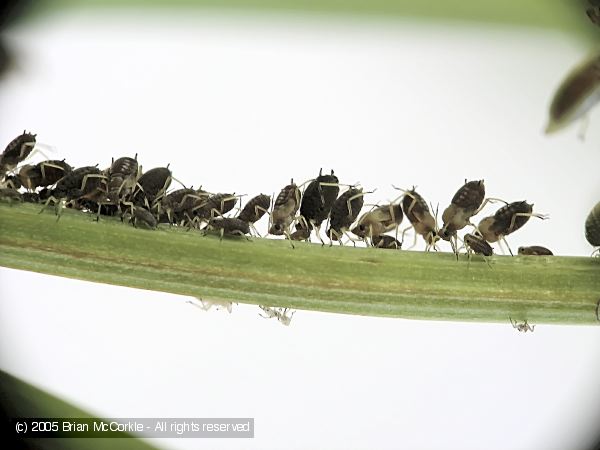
{"type": "Point", "coordinates": [592, 227]}
{"type": "Point", "coordinates": [31, 197]}
{"type": "Point", "coordinates": [302, 233]}
{"type": "Point", "coordinates": [466, 203]}
{"type": "Point", "coordinates": [521, 327]}
{"type": "Point", "coordinates": [506, 220]}
{"type": "Point", "coordinates": [344, 212]}
{"type": "Point", "coordinates": [84, 183]}
{"type": "Point", "coordinates": [79, 182]}
{"type": "Point", "coordinates": [151, 186]}
{"type": "Point", "coordinates": [229, 225]}
{"type": "Point", "coordinates": [417, 212]}
{"type": "Point", "coordinates": [178, 206]}
{"type": "Point", "coordinates": [477, 245]}
{"type": "Point", "coordinates": [122, 177]}
{"type": "Point", "coordinates": [386, 241]}
{"type": "Point", "coordinates": [9, 195]}
{"type": "Point", "coordinates": [16, 151]}
{"type": "Point", "coordinates": [45, 173]}
{"type": "Point", "coordinates": [576, 95]}
{"type": "Point", "coordinates": [284, 210]}
{"type": "Point", "coordinates": [317, 200]}
{"type": "Point", "coordinates": [142, 218]}
{"type": "Point", "coordinates": [378, 221]}
{"type": "Point", "coordinates": [255, 208]}
{"type": "Point", "coordinates": [214, 206]}
{"type": "Point", "coordinates": [535, 250]}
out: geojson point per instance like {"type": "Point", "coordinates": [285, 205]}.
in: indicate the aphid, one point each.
{"type": "Point", "coordinates": [477, 245]}
{"type": "Point", "coordinates": [31, 197]}
{"type": "Point", "coordinates": [122, 175]}
{"type": "Point", "coordinates": [417, 212]}
{"type": "Point", "coordinates": [253, 211]}
{"type": "Point", "coordinates": [86, 183]}
{"type": "Point", "coordinates": [576, 95]}
{"type": "Point", "coordinates": [344, 212]}
{"type": "Point", "coordinates": [385, 241]}
{"type": "Point", "coordinates": [9, 195]}
{"type": "Point", "coordinates": [592, 227]}
{"type": "Point", "coordinates": [45, 173]}
{"type": "Point", "coordinates": [317, 201]}
{"type": "Point", "coordinates": [179, 204]}
{"type": "Point", "coordinates": [229, 225]}
{"type": "Point", "coordinates": [151, 186]}
{"type": "Point", "coordinates": [466, 203]}
{"type": "Point", "coordinates": [535, 250]}
{"type": "Point", "coordinates": [378, 221]}
{"type": "Point", "coordinates": [16, 151]}
{"type": "Point", "coordinates": [142, 218]}
{"type": "Point", "coordinates": [284, 210]}
{"type": "Point", "coordinates": [214, 206]}
{"type": "Point", "coordinates": [506, 220]}
{"type": "Point", "coordinates": [281, 314]}
{"type": "Point", "coordinates": [522, 327]}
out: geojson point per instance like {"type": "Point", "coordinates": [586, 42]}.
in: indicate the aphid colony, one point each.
{"type": "Point", "coordinates": [146, 200]}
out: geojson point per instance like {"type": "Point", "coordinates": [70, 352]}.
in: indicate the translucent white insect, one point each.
{"type": "Point", "coordinates": [208, 304]}
{"type": "Point", "coordinates": [281, 314]}
{"type": "Point", "coordinates": [521, 327]}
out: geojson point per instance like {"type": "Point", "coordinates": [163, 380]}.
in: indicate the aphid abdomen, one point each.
{"type": "Point", "coordinates": [592, 226]}
{"type": "Point", "coordinates": [511, 217]}
{"type": "Point", "coordinates": [285, 208]}
{"type": "Point", "coordinates": [341, 216]}
{"type": "Point", "coordinates": [230, 225]}
{"type": "Point", "coordinates": [154, 183]}
{"type": "Point", "coordinates": [255, 208]}
{"type": "Point", "coordinates": [16, 151]}
{"type": "Point", "coordinates": [414, 207]}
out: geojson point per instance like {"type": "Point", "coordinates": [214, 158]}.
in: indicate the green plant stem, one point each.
{"type": "Point", "coordinates": [348, 280]}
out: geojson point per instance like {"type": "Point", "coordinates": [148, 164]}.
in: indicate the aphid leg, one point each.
{"type": "Point", "coordinates": [288, 237]}
{"type": "Point", "coordinates": [354, 241]}
{"type": "Point", "coordinates": [91, 175]}
{"type": "Point", "coordinates": [43, 165]}
{"type": "Point", "coordinates": [253, 228]}
{"type": "Point", "coordinates": [485, 202]}
{"type": "Point", "coordinates": [349, 201]}
{"type": "Point", "coordinates": [318, 233]}
{"type": "Point", "coordinates": [506, 242]}
{"type": "Point", "coordinates": [414, 240]}
{"type": "Point", "coordinates": [585, 121]}
{"type": "Point", "coordinates": [514, 218]}
{"type": "Point", "coordinates": [513, 323]}
{"type": "Point", "coordinates": [337, 235]}
{"type": "Point", "coordinates": [240, 233]}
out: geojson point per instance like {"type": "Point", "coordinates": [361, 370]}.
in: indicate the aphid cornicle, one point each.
{"type": "Point", "coordinates": [378, 221]}
{"type": "Point", "coordinates": [344, 212]}
{"type": "Point", "coordinates": [506, 220]}
{"type": "Point", "coordinates": [592, 227]}
{"type": "Point", "coordinates": [387, 242]}
{"type": "Point", "coordinates": [317, 201]}
{"type": "Point", "coordinates": [576, 95]}
{"type": "Point", "coordinates": [16, 151]}
{"type": "Point", "coordinates": [535, 250]}
{"type": "Point", "coordinates": [417, 212]}
{"type": "Point", "coordinates": [284, 210]}
{"type": "Point", "coordinates": [466, 203]}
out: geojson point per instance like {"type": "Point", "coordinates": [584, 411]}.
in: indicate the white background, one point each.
{"type": "Point", "coordinates": [243, 103]}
